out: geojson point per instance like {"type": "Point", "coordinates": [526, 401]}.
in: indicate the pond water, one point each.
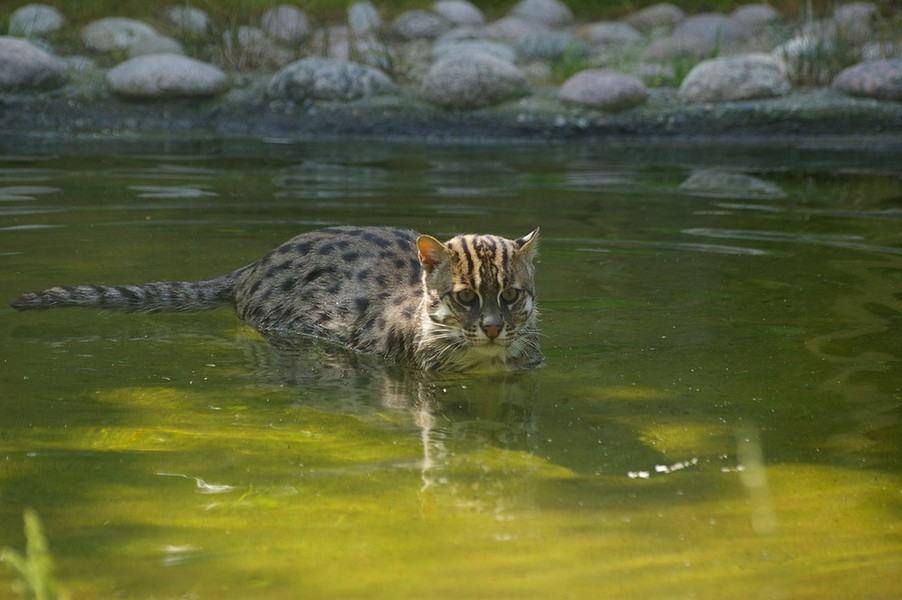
{"type": "Point", "coordinates": [719, 415]}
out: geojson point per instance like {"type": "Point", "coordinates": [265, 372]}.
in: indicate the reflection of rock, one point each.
{"type": "Point", "coordinates": [726, 184]}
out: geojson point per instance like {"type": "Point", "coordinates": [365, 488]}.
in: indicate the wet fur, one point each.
{"type": "Point", "coordinates": [376, 290]}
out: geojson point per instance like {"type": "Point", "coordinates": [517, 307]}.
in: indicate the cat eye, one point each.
{"type": "Point", "coordinates": [466, 296]}
{"type": "Point", "coordinates": [510, 294]}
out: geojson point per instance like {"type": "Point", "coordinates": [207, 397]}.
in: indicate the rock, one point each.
{"type": "Point", "coordinates": [881, 79]}
{"type": "Point", "coordinates": [658, 17]}
{"type": "Point", "coordinates": [24, 66]}
{"type": "Point", "coordinates": [446, 48]}
{"type": "Point", "coordinates": [712, 183]}
{"type": "Point", "coordinates": [35, 19]}
{"type": "Point", "coordinates": [458, 12]}
{"type": "Point", "coordinates": [250, 48]}
{"type": "Point", "coordinates": [188, 19]}
{"type": "Point", "coordinates": [756, 16]}
{"type": "Point", "coordinates": [363, 18]}
{"type": "Point", "coordinates": [604, 89]}
{"type": "Point", "coordinates": [286, 24]}
{"type": "Point", "coordinates": [700, 36]}
{"type": "Point", "coordinates": [328, 79]}
{"type": "Point", "coordinates": [610, 35]}
{"type": "Point", "coordinates": [856, 21]}
{"type": "Point", "coordinates": [742, 77]}
{"type": "Point", "coordinates": [511, 29]}
{"type": "Point", "coordinates": [419, 24]}
{"type": "Point", "coordinates": [551, 13]}
{"type": "Point", "coordinates": [472, 80]}
{"type": "Point", "coordinates": [718, 31]}
{"type": "Point", "coordinates": [549, 45]}
{"type": "Point", "coordinates": [114, 33]}
{"type": "Point", "coordinates": [155, 44]}
{"type": "Point", "coordinates": [338, 42]}
{"type": "Point", "coordinates": [159, 76]}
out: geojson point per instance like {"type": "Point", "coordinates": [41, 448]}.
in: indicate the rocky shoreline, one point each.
{"type": "Point", "coordinates": [460, 81]}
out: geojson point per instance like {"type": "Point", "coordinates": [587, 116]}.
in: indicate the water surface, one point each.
{"type": "Point", "coordinates": [719, 416]}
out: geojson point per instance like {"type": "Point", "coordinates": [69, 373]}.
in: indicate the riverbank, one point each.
{"type": "Point", "coordinates": [448, 74]}
{"type": "Point", "coordinates": [540, 117]}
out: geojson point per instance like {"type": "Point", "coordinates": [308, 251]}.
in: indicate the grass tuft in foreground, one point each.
{"type": "Point", "coordinates": [34, 570]}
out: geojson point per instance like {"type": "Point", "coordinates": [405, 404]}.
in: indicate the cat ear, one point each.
{"type": "Point", "coordinates": [528, 245]}
{"type": "Point", "coordinates": [432, 252]}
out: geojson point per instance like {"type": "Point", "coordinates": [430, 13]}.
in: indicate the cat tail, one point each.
{"type": "Point", "coordinates": [155, 296]}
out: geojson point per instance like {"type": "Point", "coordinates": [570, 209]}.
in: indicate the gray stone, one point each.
{"type": "Point", "coordinates": [511, 29]}
{"type": "Point", "coordinates": [472, 80]}
{"type": "Point", "coordinates": [742, 77]}
{"type": "Point", "coordinates": [856, 21]}
{"type": "Point", "coordinates": [549, 45]}
{"type": "Point", "coordinates": [756, 16]}
{"type": "Point", "coordinates": [881, 79]}
{"type": "Point", "coordinates": [24, 66]}
{"type": "Point", "coordinates": [610, 35]}
{"type": "Point", "coordinates": [700, 36]}
{"type": "Point", "coordinates": [604, 89]}
{"type": "Point", "coordinates": [339, 42]}
{"type": "Point", "coordinates": [155, 44]}
{"type": "Point", "coordinates": [551, 13]}
{"type": "Point", "coordinates": [363, 18]}
{"type": "Point", "coordinates": [446, 48]}
{"type": "Point", "coordinates": [114, 33]}
{"type": "Point", "coordinates": [658, 17]}
{"type": "Point", "coordinates": [458, 12]}
{"type": "Point", "coordinates": [286, 24]}
{"type": "Point", "coordinates": [419, 24]}
{"type": "Point", "coordinates": [188, 19]}
{"type": "Point", "coordinates": [328, 79]}
{"type": "Point", "coordinates": [156, 76]}
{"type": "Point", "coordinates": [35, 19]}
{"type": "Point", "coordinates": [250, 48]}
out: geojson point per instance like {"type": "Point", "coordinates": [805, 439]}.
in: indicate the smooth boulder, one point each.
{"type": "Point", "coordinates": [328, 79]}
{"type": "Point", "coordinates": [604, 89]}
{"type": "Point", "coordinates": [472, 80]}
{"type": "Point", "coordinates": [24, 66]}
{"type": "Point", "coordinates": [35, 19]}
{"type": "Point", "coordinates": [744, 77]}
{"type": "Point", "coordinates": [880, 79]}
{"type": "Point", "coordinates": [157, 76]}
{"type": "Point", "coordinates": [115, 33]}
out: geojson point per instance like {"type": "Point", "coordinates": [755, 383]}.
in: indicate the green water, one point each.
{"type": "Point", "coordinates": [719, 416]}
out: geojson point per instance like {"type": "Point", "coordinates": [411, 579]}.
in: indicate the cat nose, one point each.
{"type": "Point", "coordinates": [491, 331]}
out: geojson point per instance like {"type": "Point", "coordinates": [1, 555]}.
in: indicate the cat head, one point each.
{"type": "Point", "coordinates": [480, 291]}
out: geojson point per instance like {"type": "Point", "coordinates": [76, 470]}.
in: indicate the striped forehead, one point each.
{"type": "Point", "coordinates": [482, 260]}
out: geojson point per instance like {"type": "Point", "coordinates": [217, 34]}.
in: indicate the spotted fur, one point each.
{"type": "Point", "coordinates": [465, 304]}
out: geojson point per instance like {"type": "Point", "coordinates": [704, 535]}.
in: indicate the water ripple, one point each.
{"type": "Point", "coordinates": [834, 241]}
{"type": "Point", "coordinates": [170, 191]}
{"type": "Point", "coordinates": [25, 192]}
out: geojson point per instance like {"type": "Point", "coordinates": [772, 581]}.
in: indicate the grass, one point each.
{"type": "Point", "coordinates": [85, 11]}
{"type": "Point", "coordinates": [34, 569]}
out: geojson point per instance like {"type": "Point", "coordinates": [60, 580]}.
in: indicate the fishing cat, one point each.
{"type": "Point", "coordinates": [465, 304]}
